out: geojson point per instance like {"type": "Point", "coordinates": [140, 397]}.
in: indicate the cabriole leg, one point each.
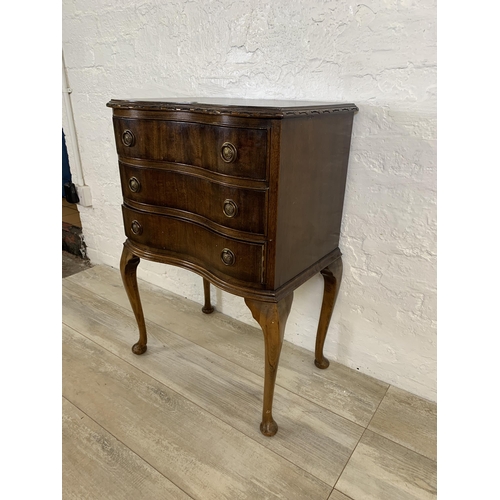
{"type": "Point", "coordinates": [272, 317]}
{"type": "Point", "coordinates": [128, 269]}
{"type": "Point", "coordinates": [207, 308]}
{"type": "Point", "coordinates": [332, 276]}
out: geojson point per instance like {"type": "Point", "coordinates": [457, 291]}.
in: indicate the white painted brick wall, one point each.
{"type": "Point", "coordinates": [380, 55]}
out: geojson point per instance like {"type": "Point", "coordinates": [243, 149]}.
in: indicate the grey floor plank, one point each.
{"type": "Point", "coordinates": [408, 420]}
{"type": "Point", "coordinates": [339, 389]}
{"type": "Point", "coordinates": [380, 469]}
{"type": "Point", "coordinates": [310, 436]}
{"type": "Point", "coordinates": [202, 455]}
{"type": "Point", "coordinates": [216, 363]}
{"type": "Point", "coordinates": [96, 465]}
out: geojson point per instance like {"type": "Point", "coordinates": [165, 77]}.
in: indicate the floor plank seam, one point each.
{"type": "Point", "coordinates": [359, 440]}
{"type": "Point", "coordinates": [402, 445]}
{"type": "Point", "coordinates": [384, 437]}
{"type": "Point", "coordinates": [223, 357]}
{"type": "Point", "coordinates": [194, 403]}
{"type": "Point", "coordinates": [389, 439]}
{"type": "Point", "coordinates": [123, 444]}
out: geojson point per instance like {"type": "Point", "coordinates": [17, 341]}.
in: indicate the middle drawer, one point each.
{"type": "Point", "coordinates": [238, 208]}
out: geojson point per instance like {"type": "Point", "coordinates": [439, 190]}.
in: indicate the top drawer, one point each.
{"type": "Point", "coordinates": [240, 152]}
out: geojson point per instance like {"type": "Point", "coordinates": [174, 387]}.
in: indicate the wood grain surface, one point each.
{"type": "Point", "coordinates": [381, 469]}
{"type": "Point", "coordinates": [407, 420]}
{"type": "Point", "coordinates": [97, 465]}
{"type": "Point", "coordinates": [181, 420]}
{"type": "Point", "coordinates": [202, 455]}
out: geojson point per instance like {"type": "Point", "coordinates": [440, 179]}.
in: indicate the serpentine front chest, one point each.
{"type": "Point", "coordinates": [247, 194]}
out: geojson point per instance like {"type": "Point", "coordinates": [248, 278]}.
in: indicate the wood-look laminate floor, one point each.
{"type": "Point", "coordinates": [182, 420]}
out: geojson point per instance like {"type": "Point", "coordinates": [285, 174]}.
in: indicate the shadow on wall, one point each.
{"type": "Point", "coordinates": [66, 173]}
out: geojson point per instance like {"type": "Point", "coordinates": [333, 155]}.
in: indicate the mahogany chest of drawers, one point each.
{"type": "Point", "coordinates": [248, 194]}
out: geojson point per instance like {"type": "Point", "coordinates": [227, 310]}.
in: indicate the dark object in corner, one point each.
{"type": "Point", "coordinates": [72, 240]}
{"type": "Point", "coordinates": [70, 193]}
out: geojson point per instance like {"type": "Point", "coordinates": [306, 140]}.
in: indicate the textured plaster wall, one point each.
{"type": "Point", "coordinates": [379, 54]}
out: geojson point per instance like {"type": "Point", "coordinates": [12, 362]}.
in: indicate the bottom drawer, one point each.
{"type": "Point", "coordinates": [196, 244]}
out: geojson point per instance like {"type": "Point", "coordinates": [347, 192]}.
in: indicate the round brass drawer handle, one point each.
{"type": "Point", "coordinates": [227, 257]}
{"type": "Point", "coordinates": [134, 184]}
{"type": "Point", "coordinates": [228, 152]}
{"type": "Point", "coordinates": [136, 227]}
{"type": "Point", "coordinates": [128, 138]}
{"type": "Point", "coordinates": [230, 208]}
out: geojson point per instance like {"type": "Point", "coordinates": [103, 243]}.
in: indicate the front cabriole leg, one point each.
{"type": "Point", "coordinates": [332, 278]}
{"type": "Point", "coordinates": [128, 269]}
{"type": "Point", "coordinates": [272, 317]}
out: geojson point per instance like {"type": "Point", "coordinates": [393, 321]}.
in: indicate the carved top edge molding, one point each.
{"type": "Point", "coordinates": [243, 108]}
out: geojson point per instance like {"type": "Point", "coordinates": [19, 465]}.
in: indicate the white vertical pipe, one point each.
{"type": "Point", "coordinates": [76, 164]}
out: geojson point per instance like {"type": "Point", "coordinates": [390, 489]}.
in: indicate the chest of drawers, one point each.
{"type": "Point", "coordinates": [248, 194]}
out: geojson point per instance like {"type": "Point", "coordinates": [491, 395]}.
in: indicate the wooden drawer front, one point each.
{"type": "Point", "coordinates": [197, 144]}
{"type": "Point", "coordinates": [195, 243]}
{"type": "Point", "coordinates": [235, 207]}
